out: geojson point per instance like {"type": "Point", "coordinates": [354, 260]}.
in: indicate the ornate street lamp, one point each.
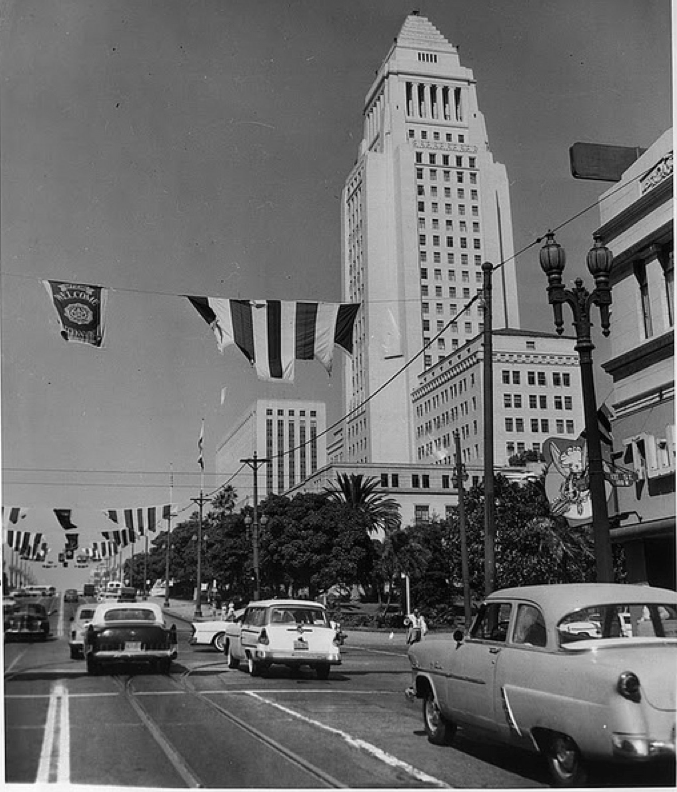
{"type": "Point", "coordinates": [599, 261]}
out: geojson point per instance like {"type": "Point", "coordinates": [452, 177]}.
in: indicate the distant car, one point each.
{"type": "Point", "coordinates": [287, 632]}
{"type": "Point", "coordinates": [78, 626]}
{"type": "Point", "coordinates": [129, 632]}
{"type": "Point", "coordinates": [27, 620]}
{"type": "Point", "coordinates": [71, 595]}
{"type": "Point", "coordinates": [212, 633]}
{"type": "Point", "coordinates": [554, 670]}
{"type": "Point", "coordinates": [127, 594]}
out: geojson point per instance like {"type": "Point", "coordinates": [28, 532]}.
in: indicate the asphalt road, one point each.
{"type": "Point", "coordinates": [206, 725]}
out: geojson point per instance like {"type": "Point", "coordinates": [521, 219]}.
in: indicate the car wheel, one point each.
{"type": "Point", "coordinates": [439, 730]}
{"type": "Point", "coordinates": [565, 762]}
{"type": "Point", "coordinates": [323, 671]}
{"type": "Point", "coordinates": [92, 666]}
{"type": "Point", "coordinates": [232, 661]}
{"type": "Point", "coordinates": [253, 667]}
{"type": "Point", "coordinates": [218, 641]}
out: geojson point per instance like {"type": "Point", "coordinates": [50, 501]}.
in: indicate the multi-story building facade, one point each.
{"type": "Point", "coordinates": [423, 207]}
{"type": "Point", "coordinates": [289, 433]}
{"type": "Point", "coordinates": [637, 225]}
{"type": "Point", "coordinates": [536, 394]}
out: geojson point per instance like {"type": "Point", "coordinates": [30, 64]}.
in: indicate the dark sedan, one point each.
{"type": "Point", "coordinates": [130, 633]}
{"type": "Point", "coordinates": [71, 595]}
{"type": "Point", "coordinates": [29, 620]}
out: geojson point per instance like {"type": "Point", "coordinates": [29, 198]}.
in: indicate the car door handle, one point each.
{"type": "Point", "coordinates": [495, 649]}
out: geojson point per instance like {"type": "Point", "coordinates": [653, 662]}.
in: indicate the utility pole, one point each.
{"type": "Point", "coordinates": [169, 530]}
{"type": "Point", "coordinates": [198, 591]}
{"type": "Point", "coordinates": [489, 527]}
{"type": "Point", "coordinates": [459, 477]}
{"type": "Point", "coordinates": [255, 463]}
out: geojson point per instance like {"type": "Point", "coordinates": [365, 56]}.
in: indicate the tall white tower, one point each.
{"type": "Point", "coordinates": [423, 207]}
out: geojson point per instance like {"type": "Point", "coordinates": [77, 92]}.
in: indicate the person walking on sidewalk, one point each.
{"type": "Point", "coordinates": [417, 627]}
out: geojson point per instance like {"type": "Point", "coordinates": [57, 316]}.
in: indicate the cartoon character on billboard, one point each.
{"type": "Point", "coordinates": [567, 482]}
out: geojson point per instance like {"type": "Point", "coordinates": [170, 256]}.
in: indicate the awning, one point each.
{"type": "Point", "coordinates": [665, 526]}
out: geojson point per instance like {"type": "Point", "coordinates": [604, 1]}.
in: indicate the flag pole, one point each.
{"type": "Point", "coordinates": [169, 530]}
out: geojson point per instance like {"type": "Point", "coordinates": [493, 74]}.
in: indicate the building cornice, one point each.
{"type": "Point", "coordinates": [632, 214]}
{"type": "Point", "coordinates": [648, 354]}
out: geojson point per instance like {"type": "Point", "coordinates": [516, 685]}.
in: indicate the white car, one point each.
{"type": "Point", "coordinates": [213, 632]}
{"type": "Point", "coordinates": [283, 632]}
{"type": "Point", "coordinates": [78, 626]}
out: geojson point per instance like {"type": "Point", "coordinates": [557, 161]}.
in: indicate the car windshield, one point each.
{"type": "Point", "coordinates": [627, 620]}
{"type": "Point", "coordinates": [291, 615]}
{"type": "Point", "coordinates": [129, 614]}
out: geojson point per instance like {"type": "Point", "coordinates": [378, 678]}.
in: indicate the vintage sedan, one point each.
{"type": "Point", "coordinates": [212, 632]}
{"type": "Point", "coordinates": [532, 673]}
{"type": "Point", "coordinates": [285, 632]}
{"type": "Point", "coordinates": [26, 620]}
{"type": "Point", "coordinates": [78, 626]}
{"type": "Point", "coordinates": [131, 633]}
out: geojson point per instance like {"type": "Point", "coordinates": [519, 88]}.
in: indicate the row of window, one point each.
{"type": "Point", "coordinates": [436, 136]}
{"type": "Point", "coordinates": [451, 259]}
{"type": "Point", "coordinates": [445, 160]}
{"type": "Point", "coordinates": [540, 425]}
{"type": "Point", "coordinates": [449, 241]}
{"type": "Point", "coordinates": [559, 379]}
{"type": "Point", "coordinates": [418, 481]}
{"type": "Point", "coordinates": [536, 402]}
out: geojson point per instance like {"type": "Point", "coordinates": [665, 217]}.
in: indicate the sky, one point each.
{"type": "Point", "coordinates": [171, 147]}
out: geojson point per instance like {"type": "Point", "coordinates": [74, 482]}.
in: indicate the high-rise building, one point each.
{"type": "Point", "coordinates": [290, 433]}
{"type": "Point", "coordinates": [423, 207]}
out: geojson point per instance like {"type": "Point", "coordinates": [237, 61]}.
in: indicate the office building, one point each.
{"type": "Point", "coordinates": [424, 205]}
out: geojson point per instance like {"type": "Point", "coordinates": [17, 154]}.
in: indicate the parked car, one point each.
{"type": "Point", "coordinates": [71, 595]}
{"type": "Point", "coordinates": [78, 626]}
{"type": "Point", "coordinates": [129, 632]}
{"type": "Point", "coordinates": [27, 620]}
{"type": "Point", "coordinates": [212, 632]}
{"type": "Point", "coordinates": [528, 675]}
{"type": "Point", "coordinates": [287, 632]}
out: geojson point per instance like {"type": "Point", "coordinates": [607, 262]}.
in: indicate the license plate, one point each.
{"type": "Point", "coordinates": [133, 646]}
{"type": "Point", "coordinates": [301, 644]}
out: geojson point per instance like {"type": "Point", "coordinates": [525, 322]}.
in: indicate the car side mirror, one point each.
{"type": "Point", "coordinates": [458, 636]}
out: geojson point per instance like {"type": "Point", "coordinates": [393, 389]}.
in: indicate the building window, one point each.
{"type": "Point", "coordinates": [421, 514]}
{"type": "Point", "coordinates": [545, 425]}
{"type": "Point", "coordinates": [384, 479]}
{"type": "Point", "coordinates": [556, 379]}
{"type": "Point", "coordinates": [505, 376]}
{"type": "Point", "coordinates": [445, 481]}
{"type": "Point", "coordinates": [508, 424]}
{"type": "Point", "coordinates": [533, 401]}
{"type": "Point", "coordinates": [558, 403]}
{"type": "Point", "coordinates": [519, 424]}
{"type": "Point", "coordinates": [517, 401]}
{"type": "Point", "coordinates": [543, 402]}
{"type": "Point", "coordinates": [531, 377]}
{"type": "Point", "coordinates": [541, 377]}
{"type": "Point", "coordinates": [559, 426]}
{"type": "Point", "coordinates": [515, 378]}
{"type": "Point", "coordinates": [534, 424]}
{"type": "Point", "coordinates": [395, 479]}
{"type": "Point", "coordinates": [415, 481]}
{"type": "Point", "coordinates": [507, 400]}
{"type": "Point", "coordinates": [570, 427]}
{"type": "Point", "coordinates": [426, 481]}
{"type": "Point", "coordinates": [568, 403]}
{"type": "Point", "coordinates": [566, 380]}
{"type": "Point", "coordinates": [644, 301]}
{"type": "Point", "coordinates": [668, 264]}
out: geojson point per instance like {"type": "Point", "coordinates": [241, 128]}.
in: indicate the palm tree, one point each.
{"type": "Point", "coordinates": [360, 494]}
{"type": "Point", "coordinates": [224, 500]}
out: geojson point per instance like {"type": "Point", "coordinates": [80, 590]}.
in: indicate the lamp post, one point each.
{"type": "Point", "coordinates": [198, 589]}
{"type": "Point", "coordinates": [599, 261]}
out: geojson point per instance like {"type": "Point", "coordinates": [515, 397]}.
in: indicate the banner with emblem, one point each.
{"type": "Point", "coordinates": [80, 309]}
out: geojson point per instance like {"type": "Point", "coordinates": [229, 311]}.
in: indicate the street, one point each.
{"type": "Point", "coordinates": [205, 725]}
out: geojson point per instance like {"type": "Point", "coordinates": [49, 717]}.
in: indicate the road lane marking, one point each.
{"type": "Point", "coordinates": [356, 742]}
{"type": "Point", "coordinates": [55, 765]}
{"type": "Point", "coordinates": [14, 662]}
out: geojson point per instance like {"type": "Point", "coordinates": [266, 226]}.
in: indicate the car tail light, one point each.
{"type": "Point", "coordinates": [263, 637]}
{"type": "Point", "coordinates": [628, 686]}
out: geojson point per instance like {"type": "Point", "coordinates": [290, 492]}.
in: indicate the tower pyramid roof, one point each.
{"type": "Point", "coordinates": [419, 33]}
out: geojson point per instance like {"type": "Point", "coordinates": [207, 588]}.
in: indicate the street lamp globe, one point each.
{"type": "Point", "coordinates": [599, 261]}
{"type": "Point", "coordinates": [552, 257]}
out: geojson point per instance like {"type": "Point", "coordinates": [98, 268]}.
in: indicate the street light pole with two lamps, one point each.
{"type": "Point", "coordinates": [599, 261]}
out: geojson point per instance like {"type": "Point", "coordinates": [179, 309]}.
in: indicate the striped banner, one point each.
{"type": "Point", "coordinates": [138, 522]}
{"type": "Point", "coordinates": [272, 334]}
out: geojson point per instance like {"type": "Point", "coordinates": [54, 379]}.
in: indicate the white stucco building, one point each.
{"type": "Point", "coordinates": [424, 205]}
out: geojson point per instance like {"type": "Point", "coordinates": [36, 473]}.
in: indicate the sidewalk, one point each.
{"type": "Point", "coordinates": [185, 609]}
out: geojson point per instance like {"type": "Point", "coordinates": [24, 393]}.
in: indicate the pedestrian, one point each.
{"type": "Point", "coordinates": [417, 627]}
{"type": "Point", "coordinates": [217, 604]}
{"type": "Point", "coordinates": [229, 615]}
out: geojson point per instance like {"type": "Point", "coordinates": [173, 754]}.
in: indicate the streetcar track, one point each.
{"type": "Point", "coordinates": [186, 687]}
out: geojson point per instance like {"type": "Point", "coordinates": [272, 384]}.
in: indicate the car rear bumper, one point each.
{"type": "Point", "coordinates": [300, 658]}
{"type": "Point", "coordinates": [140, 656]}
